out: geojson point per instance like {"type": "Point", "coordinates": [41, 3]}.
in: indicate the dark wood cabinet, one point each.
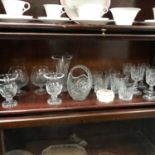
{"type": "Point", "coordinates": [119, 127]}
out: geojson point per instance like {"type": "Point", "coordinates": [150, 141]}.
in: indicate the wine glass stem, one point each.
{"type": "Point", "coordinates": [151, 88]}
{"type": "Point", "coordinates": [135, 84]}
{"type": "Point", "coordinates": [19, 91]}
{"type": "Point", "coordinates": [41, 89]}
{"type": "Point", "coordinates": [54, 98]}
{"type": "Point", "coordinates": [9, 100]}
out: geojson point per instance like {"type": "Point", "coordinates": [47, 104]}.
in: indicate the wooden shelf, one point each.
{"type": "Point", "coordinates": [15, 29]}
{"type": "Point", "coordinates": [30, 103]}
{"type": "Point", "coordinates": [34, 108]}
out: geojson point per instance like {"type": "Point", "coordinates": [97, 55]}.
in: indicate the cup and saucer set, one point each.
{"type": "Point", "coordinates": [54, 14]}
{"type": "Point", "coordinates": [80, 12]}
{"type": "Point", "coordinates": [14, 10]}
{"type": "Point", "coordinates": [88, 11]}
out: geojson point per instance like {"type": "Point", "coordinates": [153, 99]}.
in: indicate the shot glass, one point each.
{"type": "Point", "coordinates": [126, 91]}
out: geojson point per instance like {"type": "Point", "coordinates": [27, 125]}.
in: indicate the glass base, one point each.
{"type": "Point", "coordinates": [149, 92]}
{"type": "Point", "coordinates": [40, 91]}
{"type": "Point", "coordinates": [142, 86]}
{"type": "Point", "coordinates": [56, 101]}
{"type": "Point", "coordinates": [10, 104]}
{"type": "Point", "coordinates": [137, 92]}
{"type": "Point", "coordinates": [149, 97]}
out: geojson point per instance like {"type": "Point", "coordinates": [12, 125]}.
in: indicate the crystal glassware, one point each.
{"type": "Point", "coordinates": [8, 89]}
{"type": "Point", "coordinates": [62, 63]}
{"type": "Point", "coordinates": [126, 90]}
{"type": "Point", "coordinates": [142, 84]}
{"type": "Point", "coordinates": [137, 74]}
{"type": "Point", "coordinates": [22, 79]}
{"type": "Point", "coordinates": [79, 82]}
{"type": "Point", "coordinates": [127, 70]}
{"type": "Point", "coordinates": [38, 79]}
{"type": "Point", "coordinates": [150, 80]}
{"type": "Point", "coordinates": [115, 81]}
{"type": "Point", "coordinates": [98, 81]}
{"type": "Point", "coordinates": [54, 86]}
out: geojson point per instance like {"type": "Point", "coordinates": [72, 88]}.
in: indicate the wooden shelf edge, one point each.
{"type": "Point", "coordinates": [76, 117]}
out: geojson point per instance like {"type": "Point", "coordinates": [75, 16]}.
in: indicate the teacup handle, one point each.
{"type": "Point", "coordinates": [105, 10]}
{"type": "Point", "coordinates": [63, 11]}
{"type": "Point", "coordinates": [26, 6]}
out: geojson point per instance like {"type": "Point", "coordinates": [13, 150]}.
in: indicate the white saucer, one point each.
{"type": "Point", "coordinates": [99, 21]}
{"type": "Point", "coordinates": [54, 20]}
{"type": "Point", "coordinates": [150, 21]}
{"type": "Point", "coordinates": [22, 17]}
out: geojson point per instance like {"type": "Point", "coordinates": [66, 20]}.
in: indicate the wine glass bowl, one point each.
{"type": "Point", "coordinates": [8, 89]}
{"type": "Point", "coordinates": [38, 79]}
{"type": "Point", "coordinates": [137, 74]}
{"type": "Point", "coordinates": [150, 80]}
{"type": "Point", "coordinates": [54, 87]}
{"type": "Point", "coordinates": [22, 79]}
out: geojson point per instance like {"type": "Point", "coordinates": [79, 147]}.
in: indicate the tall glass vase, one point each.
{"type": "Point", "coordinates": [62, 63]}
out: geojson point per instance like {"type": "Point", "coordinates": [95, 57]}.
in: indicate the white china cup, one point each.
{"type": "Point", "coordinates": [124, 15]}
{"type": "Point", "coordinates": [15, 7]}
{"type": "Point", "coordinates": [53, 10]}
{"type": "Point", "coordinates": [91, 11]}
{"type": "Point", "coordinates": [153, 12]}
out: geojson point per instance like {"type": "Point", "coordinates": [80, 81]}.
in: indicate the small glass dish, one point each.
{"type": "Point", "coordinates": [64, 149]}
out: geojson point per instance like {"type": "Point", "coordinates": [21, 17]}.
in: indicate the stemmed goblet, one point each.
{"type": "Point", "coordinates": [137, 74]}
{"type": "Point", "coordinates": [38, 79]}
{"type": "Point", "coordinates": [150, 80]}
{"type": "Point", "coordinates": [8, 89]}
{"type": "Point", "coordinates": [127, 70]}
{"type": "Point", "coordinates": [54, 87]}
{"type": "Point", "coordinates": [22, 79]}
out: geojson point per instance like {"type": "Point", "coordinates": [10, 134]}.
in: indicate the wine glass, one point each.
{"type": "Point", "coordinates": [137, 74]}
{"type": "Point", "coordinates": [38, 79]}
{"type": "Point", "coordinates": [54, 87]}
{"type": "Point", "coordinates": [8, 89]}
{"type": "Point", "coordinates": [150, 80]}
{"type": "Point", "coordinates": [127, 69]}
{"type": "Point", "coordinates": [22, 79]}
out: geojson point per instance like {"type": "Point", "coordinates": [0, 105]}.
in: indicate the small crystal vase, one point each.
{"type": "Point", "coordinates": [62, 63]}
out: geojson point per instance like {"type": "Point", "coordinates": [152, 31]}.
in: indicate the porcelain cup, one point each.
{"type": "Point", "coordinates": [15, 7]}
{"type": "Point", "coordinates": [91, 11]}
{"type": "Point", "coordinates": [53, 10]}
{"type": "Point", "coordinates": [153, 12]}
{"type": "Point", "coordinates": [124, 15]}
